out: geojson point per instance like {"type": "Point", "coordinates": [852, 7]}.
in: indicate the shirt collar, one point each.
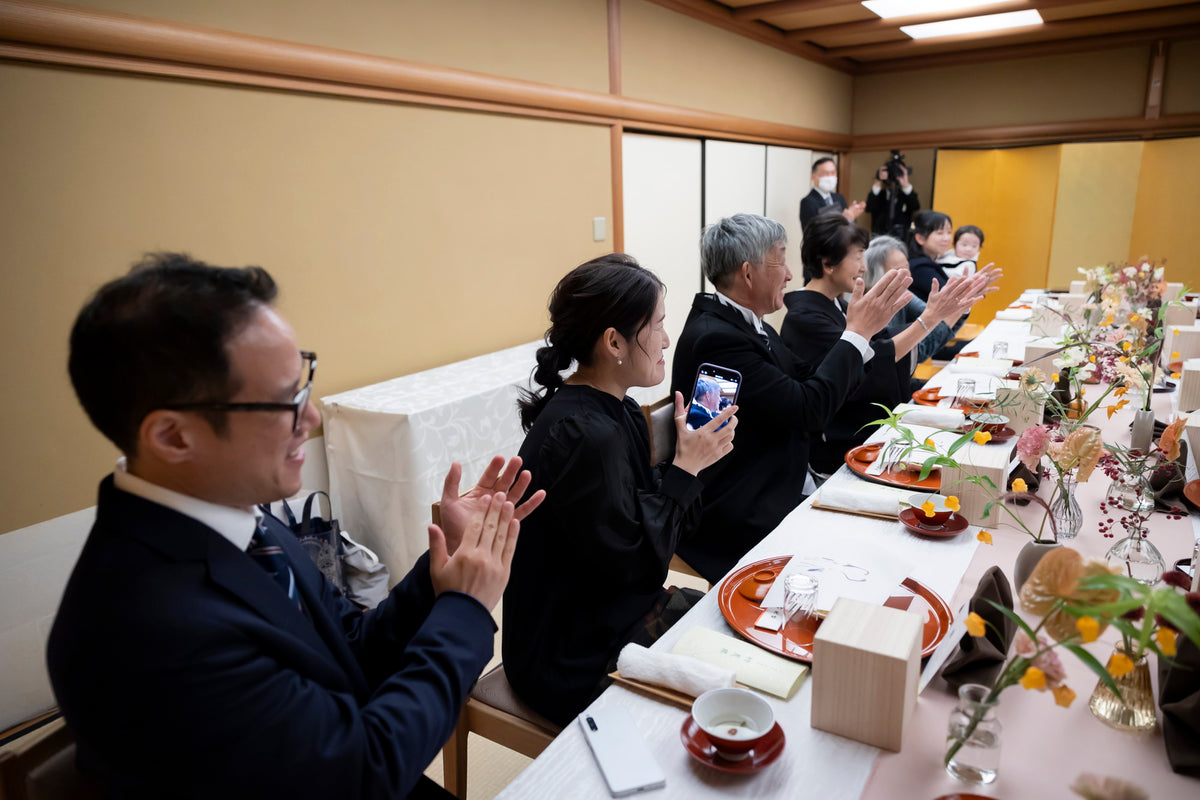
{"type": "Point", "coordinates": [235, 524]}
{"type": "Point", "coordinates": [750, 317]}
{"type": "Point", "coordinates": [824, 194]}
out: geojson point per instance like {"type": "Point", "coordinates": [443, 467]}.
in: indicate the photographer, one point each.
{"type": "Point", "coordinates": [892, 201]}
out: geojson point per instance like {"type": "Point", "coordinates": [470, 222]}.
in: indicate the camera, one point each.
{"type": "Point", "coordinates": [894, 165]}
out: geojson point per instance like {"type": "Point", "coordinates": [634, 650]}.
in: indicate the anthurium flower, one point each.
{"type": "Point", "coordinates": [1119, 664]}
{"type": "Point", "coordinates": [1063, 696]}
{"type": "Point", "coordinates": [982, 437]}
{"type": "Point", "coordinates": [975, 624]}
{"type": "Point", "coordinates": [1169, 441]}
{"type": "Point", "coordinates": [984, 536]}
{"type": "Point", "coordinates": [1088, 627]}
{"type": "Point", "coordinates": [1034, 678]}
{"type": "Point", "coordinates": [1166, 641]}
{"type": "Point", "coordinates": [928, 508]}
{"type": "Point", "coordinates": [952, 503]}
{"type": "Point", "coordinates": [1019, 485]}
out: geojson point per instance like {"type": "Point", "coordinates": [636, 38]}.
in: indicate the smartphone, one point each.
{"type": "Point", "coordinates": [621, 752]}
{"type": "Point", "coordinates": [715, 389]}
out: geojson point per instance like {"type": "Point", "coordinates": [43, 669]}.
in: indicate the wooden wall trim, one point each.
{"type": "Point", "coordinates": [1170, 125]}
{"type": "Point", "coordinates": [53, 33]}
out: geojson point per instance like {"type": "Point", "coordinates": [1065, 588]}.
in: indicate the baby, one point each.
{"type": "Point", "coordinates": [968, 240]}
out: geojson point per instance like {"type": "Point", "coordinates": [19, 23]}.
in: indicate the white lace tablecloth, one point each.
{"type": "Point", "coordinates": [389, 445]}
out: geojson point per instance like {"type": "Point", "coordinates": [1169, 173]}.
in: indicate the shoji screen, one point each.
{"type": "Point", "coordinates": [661, 177]}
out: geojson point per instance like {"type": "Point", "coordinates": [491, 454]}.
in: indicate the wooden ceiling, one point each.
{"type": "Point", "coordinates": [845, 35]}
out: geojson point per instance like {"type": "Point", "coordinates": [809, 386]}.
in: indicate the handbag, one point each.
{"type": "Point", "coordinates": [350, 566]}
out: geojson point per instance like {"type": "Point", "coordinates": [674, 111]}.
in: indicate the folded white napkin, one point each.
{"type": "Point", "coordinates": [996, 367]}
{"type": "Point", "coordinates": [847, 499]}
{"type": "Point", "coordinates": [1015, 314]}
{"type": "Point", "coordinates": [930, 416]}
{"type": "Point", "coordinates": [681, 673]}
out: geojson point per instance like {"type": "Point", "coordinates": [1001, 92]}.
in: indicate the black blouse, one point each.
{"type": "Point", "coordinates": [591, 561]}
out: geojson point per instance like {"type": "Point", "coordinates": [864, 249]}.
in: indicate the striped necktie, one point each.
{"type": "Point", "coordinates": [265, 550]}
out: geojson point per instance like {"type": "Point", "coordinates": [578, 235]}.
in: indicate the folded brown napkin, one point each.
{"type": "Point", "coordinates": [1168, 481]}
{"type": "Point", "coordinates": [1031, 478]}
{"type": "Point", "coordinates": [980, 658]}
{"type": "Point", "coordinates": [1179, 699]}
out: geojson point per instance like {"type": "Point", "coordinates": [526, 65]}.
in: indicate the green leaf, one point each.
{"type": "Point", "coordinates": [1095, 666]}
{"type": "Point", "coordinates": [1008, 612]}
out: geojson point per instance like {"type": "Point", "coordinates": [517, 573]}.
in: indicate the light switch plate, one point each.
{"type": "Point", "coordinates": [599, 234]}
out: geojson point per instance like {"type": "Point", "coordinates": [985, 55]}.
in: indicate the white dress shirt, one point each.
{"type": "Point", "coordinates": [860, 344]}
{"type": "Point", "coordinates": [235, 524]}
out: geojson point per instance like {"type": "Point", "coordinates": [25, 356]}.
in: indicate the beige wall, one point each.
{"type": "Point", "coordinates": [563, 42]}
{"type": "Point", "coordinates": [402, 237]}
{"type": "Point", "coordinates": [1098, 85]}
{"type": "Point", "coordinates": [669, 58]}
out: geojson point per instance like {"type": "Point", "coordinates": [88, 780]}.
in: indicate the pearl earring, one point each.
{"type": "Point", "coordinates": [619, 362]}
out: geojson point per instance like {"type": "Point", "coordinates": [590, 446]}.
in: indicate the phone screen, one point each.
{"type": "Point", "coordinates": [715, 389]}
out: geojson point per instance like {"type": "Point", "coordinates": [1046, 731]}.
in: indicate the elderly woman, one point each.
{"type": "Point", "coordinates": [832, 259]}
{"type": "Point", "coordinates": [884, 255]}
{"type": "Point", "coordinates": [587, 576]}
{"type": "Point", "coordinates": [782, 403]}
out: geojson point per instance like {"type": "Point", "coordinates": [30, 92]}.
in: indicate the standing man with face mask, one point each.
{"type": "Point", "coordinates": [824, 196]}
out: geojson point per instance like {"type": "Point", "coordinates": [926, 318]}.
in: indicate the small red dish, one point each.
{"type": "Point", "coordinates": [911, 517]}
{"type": "Point", "coordinates": [700, 747]}
{"type": "Point", "coordinates": [1191, 494]}
{"type": "Point", "coordinates": [756, 587]}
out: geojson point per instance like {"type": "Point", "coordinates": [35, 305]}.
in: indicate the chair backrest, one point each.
{"type": "Point", "coordinates": [45, 769]}
{"type": "Point", "coordinates": [660, 419]}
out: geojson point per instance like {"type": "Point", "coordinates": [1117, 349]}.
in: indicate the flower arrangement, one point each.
{"type": "Point", "coordinates": [1076, 601]}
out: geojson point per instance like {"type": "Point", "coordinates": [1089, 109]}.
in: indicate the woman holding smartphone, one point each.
{"type": "Point", "coordinates": [588, 573]}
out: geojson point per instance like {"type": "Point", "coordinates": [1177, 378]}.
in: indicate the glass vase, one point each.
{"type": "Point", "coordinates": [1065, 510]}
{"type": "Point", "coordinates": [1138, 558]}
{"type": "Point", "coordinates": [1142, 432]}
{"type": "Point", "coordinates": [1131, 493]}
{"type": "Point", "coordinates": [973, 736]}
{"type": "Point", "coordinates": [1134, 710]}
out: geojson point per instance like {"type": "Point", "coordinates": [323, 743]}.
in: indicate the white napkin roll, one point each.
{"type": "Point", "coordinates": [859, 500]}
{"type": "Point", "coordinates": [995, 367]}
{"type": "Point", "coordinates": [948, 418]}
{"type": "Point", "coordinates": [1015, 314]}
{"type": "Point", "coordinates": [684, 674]}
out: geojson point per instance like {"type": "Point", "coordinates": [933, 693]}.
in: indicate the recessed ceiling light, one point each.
{"type": "Point", "coordinates": [910, 8]}
{"type": "Point", "coordinates": [990, 22]}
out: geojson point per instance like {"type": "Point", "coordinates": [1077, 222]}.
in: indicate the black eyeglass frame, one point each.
{"type": "Point", "coordinates": [296, 406]}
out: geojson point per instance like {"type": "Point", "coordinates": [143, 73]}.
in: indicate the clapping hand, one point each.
{"type": "Point", "coordinates": [459, 511]}
{"type": "Point", "coordinates": [481, 562]}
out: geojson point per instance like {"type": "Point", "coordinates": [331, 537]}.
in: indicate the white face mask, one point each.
{"type": "Point", "coordinates": [827, 183]}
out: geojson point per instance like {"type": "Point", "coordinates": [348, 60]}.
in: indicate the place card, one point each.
{"type": "Point", "coordinates": [751, 665]}
{"type": "Point", "coordinates": [848, 566]}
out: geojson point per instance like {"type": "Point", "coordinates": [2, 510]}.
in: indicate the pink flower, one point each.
{"type": "Point", "coordinates": [1032, 445]}
{"type": "Point", "coordinates": [1023, 645]}
{"type": "Point", "coordinates": [1048, 662]}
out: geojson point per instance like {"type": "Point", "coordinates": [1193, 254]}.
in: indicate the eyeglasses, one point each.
{"type": "Point", "coordinates": [296, 406]}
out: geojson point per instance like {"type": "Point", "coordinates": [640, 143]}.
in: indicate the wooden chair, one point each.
{"type": "Point", "coordinates": [494, 712]}
{"type": "Point", "coordinates": [660, 419]}
{"type": "Point", "coordinates": [45, 768]}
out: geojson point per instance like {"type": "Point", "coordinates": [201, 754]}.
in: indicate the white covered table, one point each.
{"type": "Point", "coordinates": [389, 445]}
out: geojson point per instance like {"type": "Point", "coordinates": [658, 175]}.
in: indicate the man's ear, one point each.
{"type": "Point", "coordinates": [168, 436]}
{"type": "Point", "coordinates": [745, 274]}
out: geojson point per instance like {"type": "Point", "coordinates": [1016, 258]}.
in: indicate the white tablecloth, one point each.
{"type": "Point", "coordinates": [389, 445]}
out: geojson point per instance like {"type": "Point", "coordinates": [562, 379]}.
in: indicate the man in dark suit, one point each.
{"type": "Point", "coordinates": [824, 197]}
{"type": "Point", "coordinates": [752, 489]}
{"type": "Point", "coordinates": [199, 653]}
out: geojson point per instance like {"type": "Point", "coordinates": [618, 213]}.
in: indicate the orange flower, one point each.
{"type": "Point", "coordinates": [929, 443]}
{"type": "Point", "coordinates": [975, 624]}
{"type": "Point", "coordinates": [1169, 441]}
{"type": "Point", "coordinates": [1115, 407]}
{"type": "Point", "coordinates": [1120, 390]}
{"type": "Point", "coordinates": [1125, 346]}
{"type": "Point", "coordinates": [982, 437]}
{"type": "Point", "coordinates": [1174, 355]}
{"type": "Point", "coordinates": [1174, 376]}
{"type": "Point", "coordinates": [1063, 695]}
{"type": "Point", "coordinates": [1088, 627]}
{"type": "Point", "coordinates": [928, 508]}
{"type": "Point", "coordinates": [1166, 641]}
{"type": "Point", "coordinates": [1054, 377]}
{"type": "Point", "coordinates": [1119, 665]}
{"type": "Point", "coordinates": [984, 537]}
{"type": "Point", "coordinates": [1019, 485]}
{"type": "Point", "coordinates": [1034, 678]}
{"type": "Point", "coordinates": [952, 503]}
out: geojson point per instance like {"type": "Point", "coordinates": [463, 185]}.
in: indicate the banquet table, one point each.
{"type": "Point", "coordinates": [389, 445]}
{"type": "Point", "coordinates": [1044, 747]}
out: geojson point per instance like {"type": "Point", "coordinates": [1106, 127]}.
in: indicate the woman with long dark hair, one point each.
{"type": "Point", "coordinates": [588, 573]}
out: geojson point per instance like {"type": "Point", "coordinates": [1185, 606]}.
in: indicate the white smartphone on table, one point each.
{"type": "Point", "coordinates": [621, 752]}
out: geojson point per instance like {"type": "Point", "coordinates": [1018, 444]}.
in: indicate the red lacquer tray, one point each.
{"type": "Point", "coordinates": [858, 459]}
{"type": "Point", "coordinates": [741, 613]}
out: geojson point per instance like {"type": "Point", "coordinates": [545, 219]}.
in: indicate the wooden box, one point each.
{"type": "Point", "coordinates": [1174, 291]}
{"type": "Point", "coordinates": [1184, 339]}
{"type": "Point", "coordinates": [1078, 287]}
{"type": "Point", "coordinates": [987, 460]}
{"type": "Point", "coordinates": [866, 665]}
{"type": "Point", "coordinates": [1024, 410]}
{"type": "Point", "coordinates": [1045, 321]}
{"type": "Point", "coordinates": [1072, 306]}
{"type": "Point", "coordinates": [1036, 352]}
{"type": "Point", "coordinates": [1180, 315]}
{"type": "Point", "coordinates": [1189, 387]}
{"type": "Point", "coordinates": [1192, 431]}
